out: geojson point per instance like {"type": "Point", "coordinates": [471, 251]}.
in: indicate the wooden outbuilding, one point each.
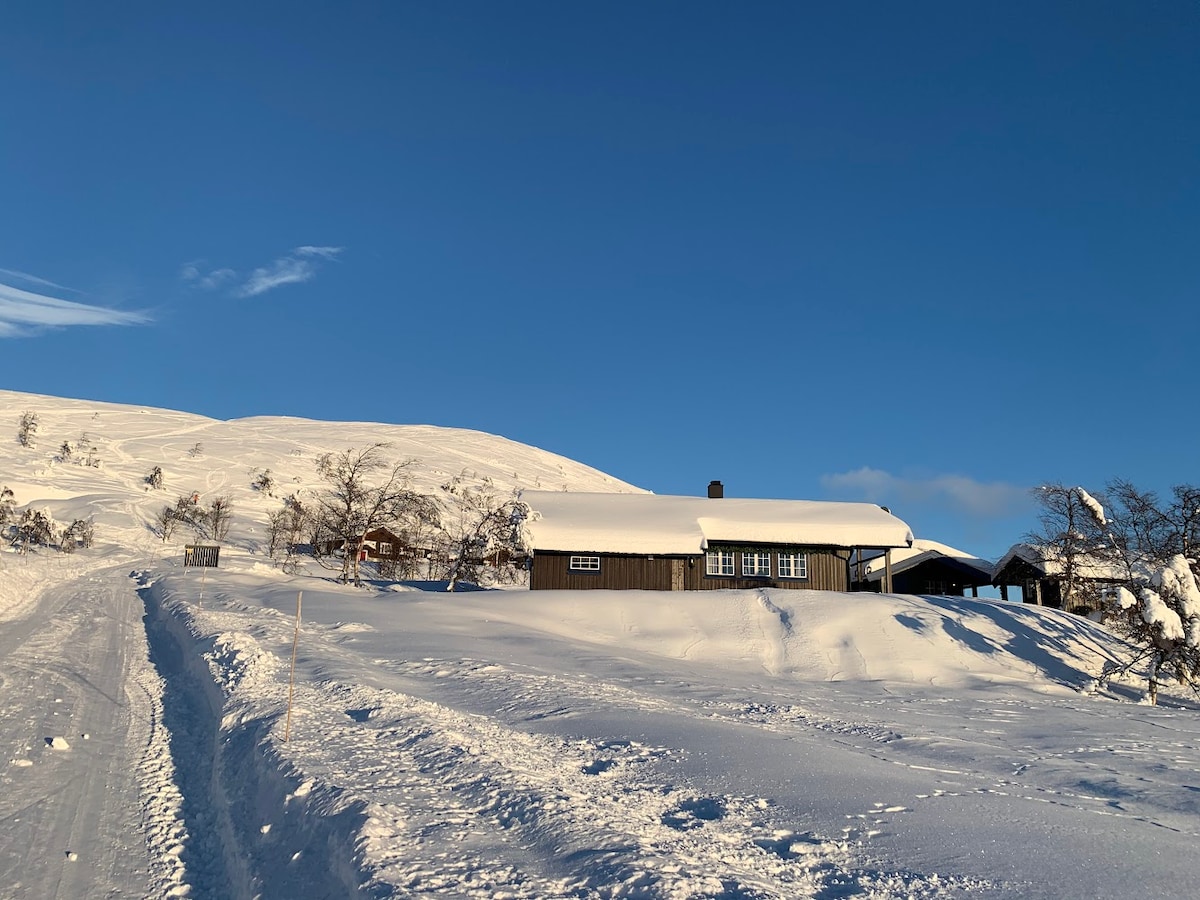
{"type": "Point", "coordinates": [1038, 572]}
{"type": "Point", "coordinates": [671, 543]}
{"type": "Point", "coordinates": [926, 567]}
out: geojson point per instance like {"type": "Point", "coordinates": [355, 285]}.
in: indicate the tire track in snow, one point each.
{"type": "Point", "coordinates": [217, 774]}
{"type": "Point", "coordinates": [570, 818]}
{"type": "Point", "coordinates": [69, 662]}
{"type": "Point", "coordinates": [449, 792]}
{"type": "Point", "coordinates": [186, 819]}
{"type": "Point", "coordinates": [162, 802]}
{"type": "Point", "coordinates": [463, 804]}
{"type": "Point", "coordinates": [479, 805]}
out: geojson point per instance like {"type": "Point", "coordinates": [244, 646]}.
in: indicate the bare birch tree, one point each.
{"type": "Point", "coordinates": [482, 528]}
{"type": "Point", "coordinates": [1072, 529]}
{"type": "Point", "coordinates": [364, 492]}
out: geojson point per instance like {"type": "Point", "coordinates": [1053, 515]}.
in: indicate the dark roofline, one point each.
{"type": "Point", "coordinates": [957, 563]}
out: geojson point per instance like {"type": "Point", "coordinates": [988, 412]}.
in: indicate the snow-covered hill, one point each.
{"type": "Point", "coordinates": [241, 732]}
{"type": "Point", "coordinates": [218, 458]}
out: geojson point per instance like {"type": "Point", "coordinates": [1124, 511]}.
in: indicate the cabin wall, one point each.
{"type": "Point", "coordinates": [827, 571]}
{"type": "Point", "coordinates": [550, 571]}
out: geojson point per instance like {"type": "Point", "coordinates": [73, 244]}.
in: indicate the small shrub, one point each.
{"type": "Point", "coordinates": [265, 482]}
{"type": "Point", "coordinates": [27, 427]}
{"type": "Point", "coordinates": [80, 533]}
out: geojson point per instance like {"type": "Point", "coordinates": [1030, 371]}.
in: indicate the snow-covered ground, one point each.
{"type": "Point", "coordinates": [740, 744]}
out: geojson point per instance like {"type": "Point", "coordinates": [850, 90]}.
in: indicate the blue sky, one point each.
{"type": "Point", "coordinates": [925, 254]}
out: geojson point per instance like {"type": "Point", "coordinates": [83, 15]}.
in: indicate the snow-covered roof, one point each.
{"type": "Point", "coordinates": [664, 524]}
{"type": "Point", "coordinates": [1047, 561]}
{"type": "Point", "coordinates": [921, 551]}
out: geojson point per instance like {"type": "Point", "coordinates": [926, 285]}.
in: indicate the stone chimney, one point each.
{"type": "Point", "coordinates": [716, 490]}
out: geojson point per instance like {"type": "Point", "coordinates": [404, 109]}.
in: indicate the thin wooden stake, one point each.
{"type": "Point", "coordinates": [287, 729]}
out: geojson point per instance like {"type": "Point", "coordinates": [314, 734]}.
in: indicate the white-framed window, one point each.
{"type": "Point", "coordinates": [718, 562]}
{"type": "Point", "coordinates": [384, 548]}
{"type": "Point", "coordinates": [584, 564]}
{"type": "Point", "coordinates": [756, 565]}
{"type": "Point", "coordinates": [793, 565]}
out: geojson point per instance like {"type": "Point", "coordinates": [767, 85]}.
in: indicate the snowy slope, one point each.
{"type": "Point", "coordinates": [216, 458]}
{"type": "Point", "coordinates": [491, 744]}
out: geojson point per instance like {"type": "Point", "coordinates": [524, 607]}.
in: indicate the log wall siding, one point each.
{"type": "Point", "coordinates": [827, 571]}
{"type": "Point", "coordinates": [551, 571]}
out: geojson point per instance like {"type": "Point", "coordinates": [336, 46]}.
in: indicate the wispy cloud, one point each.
{"type": "Point", "coordinates": [33, 279]}
{"type": "Point", "coordinates": [957, 492]}
{"type": "Point", "coordinates": [23, 313]}
{"type": "Point", "coordinates": [198, 273]}
{"type": "Point", "coordinates": [286, 270]}
{"type": "Point", "coordinates": [300, 265]}
{"type": "Point", "coordinates": [217, 278]}
{"type": "Point", "coordinates": [323, 252]}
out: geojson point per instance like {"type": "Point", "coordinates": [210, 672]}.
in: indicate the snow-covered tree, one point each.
{"type": "Point", "coordinates": [27, 427]}
{"type": "Point", "coordinates": [1157, 604]}
{"type": "Point", "coordinates": [80, 533]}
{"type": "Point", "coordinates": [8, 506]}
{"type": "Point", "coordinates": [35, 528]}
{"type": "Point", "coordinates": [88, 454]}
{"type": "Point", "coordinates": [1159, 610]}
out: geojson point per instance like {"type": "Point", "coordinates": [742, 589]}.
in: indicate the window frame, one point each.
{"type": "Point", "coordinates": [759, 557]}
{"type": "Point", "coordinates": [719, 563]}
{"type": "Point", "coordinates": [796, 561]}
{"type": "Point", "coordinates": [583, 563]}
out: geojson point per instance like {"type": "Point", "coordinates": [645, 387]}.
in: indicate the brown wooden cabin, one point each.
{"type": "Point", "coordinates": [926, 568]}
{"type": "Point", "coordinates": [582, 541]}
{"type": "Point", "coordinates": [825, 568]}
{"type": "Point", "coordinates": [379, 544]}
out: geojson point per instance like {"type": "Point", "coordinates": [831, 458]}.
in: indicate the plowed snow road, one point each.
{"type": "Point", "coordinates": [75, 725]}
